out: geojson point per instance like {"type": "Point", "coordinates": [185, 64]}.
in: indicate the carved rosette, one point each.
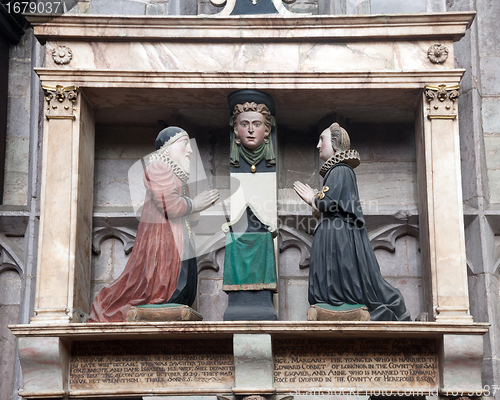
{"type": "Point", "coordinates": [442, 101]}
{"type": "Point", "coordinates": [437, 53]}
{"type": "Point", "coordinates": [61, 101]}
{"type": "Point", "coordinates": [62, 55]}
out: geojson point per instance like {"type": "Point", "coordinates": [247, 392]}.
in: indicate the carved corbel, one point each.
{"type": "Point", "coordinates": [442, 101]}
{"type": "Point", "coordinates": [61, 101]}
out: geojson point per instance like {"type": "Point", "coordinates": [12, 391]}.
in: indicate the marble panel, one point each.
{"type": "Point", "coordinates": [309, 56]}
{"type": "Point", "coordinates": [398, 6]}
{"type": "Point", "coordinates": [409, 56]}
{"type": "Point", "coordinates": [461, 362]}
{"type": "Point", "coordinates": [44, 361]}
{"type": "Point", "coordinates": [253, 361]}
{"type": "Point", "coordinates": [320, 57]}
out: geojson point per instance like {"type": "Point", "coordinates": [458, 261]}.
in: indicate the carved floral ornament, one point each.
{"type": "Point", "coordinates": [61, 101]}
{"type": "Point", "coordinates": [437, 53]}
{"type": "Point", "coordinates": [442, 101]}
{"type": "Point", "coordinates": [62, 55]}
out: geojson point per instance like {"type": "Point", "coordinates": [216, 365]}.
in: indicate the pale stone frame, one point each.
{"type": "Point", "coordinates": [75, 264]}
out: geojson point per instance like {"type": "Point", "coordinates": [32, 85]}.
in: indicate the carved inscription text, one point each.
{"type": "Point", "coordinates": [152, 364]}
{"type": "Point", "coordinates": [355, 363]}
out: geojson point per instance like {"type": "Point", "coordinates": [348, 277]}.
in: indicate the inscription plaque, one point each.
{"type": "Point", "coordinates": [363, 364]}
{"type": "Point", "coordinates": [152, 364]}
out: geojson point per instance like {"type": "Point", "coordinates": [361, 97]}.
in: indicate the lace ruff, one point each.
{"type": "Point", "coordinates": [350, 157]}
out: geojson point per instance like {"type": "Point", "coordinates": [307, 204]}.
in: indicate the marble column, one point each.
{"type": "Point", "coordinates": [63, 270]}
{"type": "Point", "coordinates": [440, 204]}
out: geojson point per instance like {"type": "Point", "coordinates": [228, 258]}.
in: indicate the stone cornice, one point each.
{"type": "Point", "coordinates": [183, 329]}
{"type": "Point", "coordinates": [261, 80]}
{"type": "Point", "coordinates": [424, 26]}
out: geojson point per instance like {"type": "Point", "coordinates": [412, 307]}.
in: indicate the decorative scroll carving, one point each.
{"type": "Point", "coordinates": [126, 235]}
{"type": "Point", "coordinates": [385, 237]}
{"type": "Point", "coordinates": [62, 55]}
{"type": "Point", "coordinates": [209, 250]}
{"type": "Point", "coordinates": [61, 101]}
{"type": "Point", "coordinates": [437, 53]}
{"type": "Point", "coordinates": [290, 237]}
{"type": "Point", "coordinates": [442, 101]}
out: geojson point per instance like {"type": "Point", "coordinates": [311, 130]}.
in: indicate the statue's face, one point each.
{"type": "Point", "coordinates": [180, 152]}
{"type": "Point", "coordinates": [251, 129]}
{"type": "Point", "coordinates": [325, 145]}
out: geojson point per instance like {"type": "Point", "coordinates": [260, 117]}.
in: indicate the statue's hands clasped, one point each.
{"type": "Point", "coordinates": [305, 192]}
{"type": "Point", "coordinates": [205, 199]}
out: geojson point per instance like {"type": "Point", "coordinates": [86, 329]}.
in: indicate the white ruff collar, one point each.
{"type": "Point", "coordinates": [176, 168]}
{"type": "Point", "coordinates": [350, 157]}
{"type": "Point", "coordinates": [162, 155]}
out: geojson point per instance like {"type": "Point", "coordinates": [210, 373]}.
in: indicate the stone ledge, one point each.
{"type": "Point", "coordinates": [91, 78]}
{"type": "Point", "coordinates": [127, 330]}
{"type": "Point", "coordinates": [451, 25]}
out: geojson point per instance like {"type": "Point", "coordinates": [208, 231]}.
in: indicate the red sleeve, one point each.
{"type": "Point", "coordinates": [165, 189]}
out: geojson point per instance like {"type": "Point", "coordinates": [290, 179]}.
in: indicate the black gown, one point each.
{"type": "Point", "coordinates": [343, 266]}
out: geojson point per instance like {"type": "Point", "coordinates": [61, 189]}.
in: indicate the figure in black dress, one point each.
{"type": "Point", "coordinates": [343, 268]}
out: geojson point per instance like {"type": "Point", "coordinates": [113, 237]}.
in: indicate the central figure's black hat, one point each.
{"type": "Point", "coordinates": [249, 96]}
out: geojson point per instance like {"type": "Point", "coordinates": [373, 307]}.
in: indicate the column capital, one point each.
{"type": "Point", "coordinates": [61, 101]}
{"type": "Point", "coordinates": [442, 101]}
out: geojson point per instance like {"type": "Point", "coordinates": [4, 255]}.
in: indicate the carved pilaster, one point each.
{"type": "Point", "coordinates": [60, 101]}
{"type": "Point", "coordinates": [442, 101]}
{"type": "Point", "coordinates": [441, 225]}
